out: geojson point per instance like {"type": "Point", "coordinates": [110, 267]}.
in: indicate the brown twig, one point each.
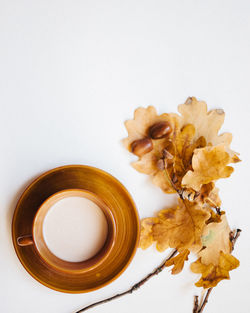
{"type": "Point", "coordinates": [218, 210]}
{"type": "Point", "coordinates": [196, 304]}
{"type": "Point", "coordinates": [205, 301]}
{"type": "Point", "coordinates": [234, 236]}
{"type": "Point", "coordinates": [134, 287]}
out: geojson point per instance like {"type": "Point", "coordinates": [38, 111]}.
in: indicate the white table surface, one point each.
{"type": "Point", "coordinates": [71, 72]}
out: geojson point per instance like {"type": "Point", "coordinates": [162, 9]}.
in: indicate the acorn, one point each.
{"type": "Point", "coordinates": [160, 130]}
{"type": "Point", "coordinates": [142, 146]}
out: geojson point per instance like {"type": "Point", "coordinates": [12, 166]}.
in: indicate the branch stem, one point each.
{"type": "Point", "coordinates": [234, 236]}
{"type": "Point", "coordinates": [196, 304]}
{"type": "Point", "coordinates": [133, 288]}
{"type": "Point", "coordinates": [205, 301]}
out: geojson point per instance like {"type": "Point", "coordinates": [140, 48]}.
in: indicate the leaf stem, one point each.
{"type": "Point", "coordinates": [134, 287]}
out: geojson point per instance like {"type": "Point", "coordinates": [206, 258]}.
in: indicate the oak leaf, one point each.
{"type": "Point", "coordinates": [146, 236]}
{"type": "Point", "coordinates": [179, 227]}
{"type": "Point", "coordinates": [215, 238]}
{"type": "Point", "coordinates": [138, 128]}
{"type": "Point", "coordinates": [144, 118]}
{"type": "Point", "coordinates": [213, 274]}
{"type": "Point", "coordinates": [178, 261]}
{"type": "Point", "coordinates": [207, 124]}
{"type": "Point", "coordinates": [209, 164]}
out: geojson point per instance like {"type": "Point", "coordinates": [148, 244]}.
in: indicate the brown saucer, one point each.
{"type": "Point", "coordinates": [115, 196]}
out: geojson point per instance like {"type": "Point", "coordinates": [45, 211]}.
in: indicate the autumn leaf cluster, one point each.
{"type": "Point", "coordinates": [184, 154]}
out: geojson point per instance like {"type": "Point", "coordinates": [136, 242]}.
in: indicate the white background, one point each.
{"type": "Point", "coordinates": [71, 72]}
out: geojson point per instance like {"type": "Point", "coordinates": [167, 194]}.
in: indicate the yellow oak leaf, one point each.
{"type": "Point", "coordinates": [209, 164]}
{"type": "Point", "coordinates": [146, 236]}
{"type": "Point", "coordinates": [180, 227]}
{"type": "Point", "coordinates": [178, 261]}
{"type": "Point", "coordinates": [215, 238]}
{"type": "Point", "coordinates": [138, 128]}
{"type": "Point", "coordinates": [213, 274]}
{"type": "Point", "coordinates": [144, 118]}
{"type": "Point", "coordinates": [207, 124]}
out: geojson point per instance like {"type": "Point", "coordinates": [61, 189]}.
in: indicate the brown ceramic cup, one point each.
{"type": "Point", "coordinates": [37, 237]}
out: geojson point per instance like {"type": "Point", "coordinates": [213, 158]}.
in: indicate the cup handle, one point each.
{"type": "Point", "coordinates": [26, 240]}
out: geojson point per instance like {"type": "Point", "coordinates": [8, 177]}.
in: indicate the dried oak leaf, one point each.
{"type": "Point", "coordinates": [213, 274]}
{"type": "Point", "coordinates": [209, 164]}
{"type": "Point", "coordinates": [138, 128]}
{"type": "Point", "coordinates": [207, 124]}
{"type": "Point", "coordinates": [146, 236]}
{"type": "Point", "coordinates": [178, 261]}
{"type": "Point", "coordinates": [180, 227]}
{"type": "Point", "coordinates": [144, 118]}
{"type": "Point", "coordinates": [215, 239]}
